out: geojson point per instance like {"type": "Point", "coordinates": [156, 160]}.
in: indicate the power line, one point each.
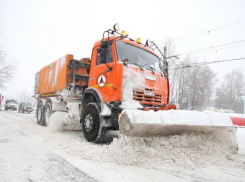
{"type": "Point", "coordinates": [211, 47]}
{"type": "Point", "coordinates": [208, 31]}
{"type": "Point", "coordinates": [219, 49]}
{"type": "Point", "coordinates": [205, 63]}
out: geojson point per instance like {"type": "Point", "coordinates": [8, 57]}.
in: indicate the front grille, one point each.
{"type": "Point", "coordinates": [154, 100]}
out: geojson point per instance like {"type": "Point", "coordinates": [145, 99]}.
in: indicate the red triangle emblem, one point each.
{"type": "Point", "coordinates": [101, 80]}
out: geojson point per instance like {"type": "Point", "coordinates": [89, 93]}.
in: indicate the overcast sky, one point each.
{"type": "Point", "coordinates": [35, 33]}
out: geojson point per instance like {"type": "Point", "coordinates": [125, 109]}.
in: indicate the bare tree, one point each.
{"type": "Point", "coordinates": [7, 70]}
{"type": "Point", "coordinates": [228, 95]}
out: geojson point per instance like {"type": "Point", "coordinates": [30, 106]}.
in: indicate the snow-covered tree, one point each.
{"type": "Point", "coordinates": [194, 86]}
{"type": "Point", "coordinates": [228, 95]}
{"type": "Point", "coordinates": [190, 87]}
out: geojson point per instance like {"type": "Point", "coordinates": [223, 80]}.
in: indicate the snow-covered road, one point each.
{"type": "Point", "coordinates": [29, 152]}
{"type": "Point", "coordinates": [24, 157]}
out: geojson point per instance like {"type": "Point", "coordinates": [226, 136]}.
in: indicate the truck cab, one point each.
{"type": "Point", "coordinates": [128, 61]}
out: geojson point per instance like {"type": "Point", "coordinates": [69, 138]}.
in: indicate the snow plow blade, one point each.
{"type": "Point", "coordinates": [138, 123]}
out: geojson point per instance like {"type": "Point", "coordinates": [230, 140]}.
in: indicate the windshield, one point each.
{"type": "Point", "coordinates": [27, 104]}
{"type": "Point", "coordinates": [136, 55]}
{"type": "Point", "coordinates": [11, 101]}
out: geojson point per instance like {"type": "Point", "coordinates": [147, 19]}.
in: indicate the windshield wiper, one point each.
{"type": "Point", "coordinates": [151, 69]}
{"type": "Point", "coordinates": [154, 69]}
{"type": "Point", "coordinates": [141, 67]}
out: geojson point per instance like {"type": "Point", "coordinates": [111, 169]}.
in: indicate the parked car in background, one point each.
{"type": "Point", "coordinates": [11, 104]}
{"type": "Point", "coordinates": [25, 107]}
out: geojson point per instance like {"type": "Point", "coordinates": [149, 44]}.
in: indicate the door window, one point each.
{"type": "Point", "coordinates": [107, 58]}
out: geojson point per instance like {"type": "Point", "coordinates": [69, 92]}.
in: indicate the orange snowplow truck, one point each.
{"type": "Point", "coordinates": [121, 74]}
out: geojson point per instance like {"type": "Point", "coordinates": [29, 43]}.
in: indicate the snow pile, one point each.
{"type": "Point", "coordinates": [131, 104]}
{"type": "Point", "coordinates": [241, 140]}
{"type": "Point", "coordinates": [186, 150]}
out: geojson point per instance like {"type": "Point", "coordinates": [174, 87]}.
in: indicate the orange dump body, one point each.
{"type": "Point", "coordinates": [58, 75]}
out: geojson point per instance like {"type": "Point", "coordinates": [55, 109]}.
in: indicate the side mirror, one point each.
{"type": "Point", "coordinates": [125, 62]}
{"type": "Point", "coordinates": [102, 51]}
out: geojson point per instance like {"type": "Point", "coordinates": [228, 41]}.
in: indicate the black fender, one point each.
{"type": "Point", "coordinates": [91, 95]}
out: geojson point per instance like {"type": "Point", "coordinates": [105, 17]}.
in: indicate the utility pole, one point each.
{"type": "Point", "coordinates": [25, 96]}
{"type": "Point", "coordinates": [165, 61]}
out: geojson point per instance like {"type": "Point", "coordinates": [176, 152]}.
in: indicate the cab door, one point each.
{"type": "Point", "coordinates": [104, 74]}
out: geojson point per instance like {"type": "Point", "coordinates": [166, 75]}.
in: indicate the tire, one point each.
{"type": "Point", "coordinates": [47, 111]}
{"type": "Point", "coordinates": [91, 122]}
{"type": "Point", "coordinates": [39, 112]}
{"type": "Point", "coordinates": [92, 131]}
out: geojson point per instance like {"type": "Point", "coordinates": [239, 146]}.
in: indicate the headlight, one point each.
{"type": "Point", "coordinates": [116, 27]}
{"type": "Point", "coordinates": [148, 43]}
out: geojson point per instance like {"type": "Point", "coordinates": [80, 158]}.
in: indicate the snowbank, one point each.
{"type": "Point", "coordinates": [186, 150]}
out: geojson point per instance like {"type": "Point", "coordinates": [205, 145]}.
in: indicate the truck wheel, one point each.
{"type": "Point", "coordinates": [91, 122]}
{"type": "Point", "coordinates": [39, 112]}
{"type": "Point", "coordinates": [47, 111]}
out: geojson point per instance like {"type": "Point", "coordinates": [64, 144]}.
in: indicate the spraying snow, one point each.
{"type": "Point", "coordinates": [56, 122]}
{"type": "Point", "coordinates": [60, 121]}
